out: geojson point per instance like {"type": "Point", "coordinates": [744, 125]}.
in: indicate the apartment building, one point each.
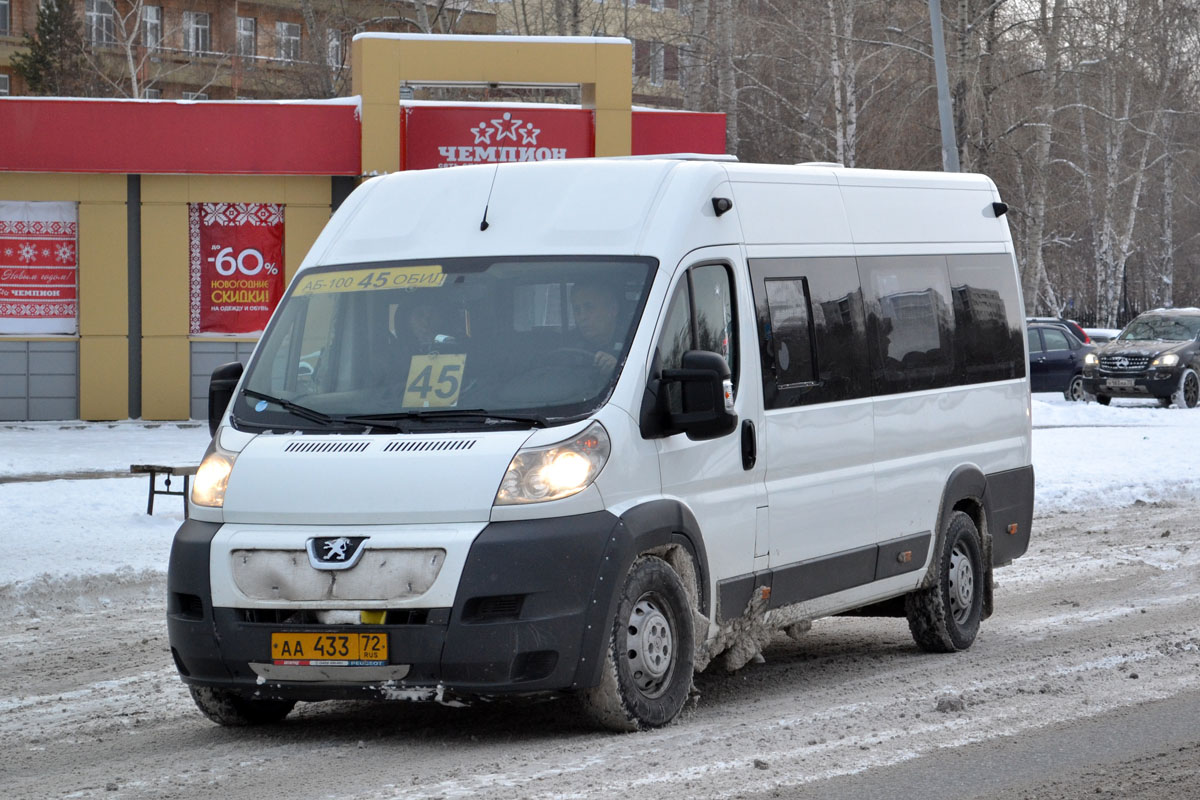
{"type": "Point", "coordinates": [658, 29]}
{"type": "Point", "coordinates": [216, 49]}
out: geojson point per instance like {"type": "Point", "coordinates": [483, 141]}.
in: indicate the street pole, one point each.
{"type": "Point", "coordinates": [949, 148]}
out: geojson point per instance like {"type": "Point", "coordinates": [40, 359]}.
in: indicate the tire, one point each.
{"type": "Point", "coordinates": [945, 617]}
{"type": "Point", "coordinates": [1103, 399]}
{"type": "Point", "coordinates": [1074, 390]}
{"type": "Point", "coordinates": [235, 711]}
{"type": "Point", "coordinates": [647, 672]}
{"type": "Point", "coordinates": [1188, 393]}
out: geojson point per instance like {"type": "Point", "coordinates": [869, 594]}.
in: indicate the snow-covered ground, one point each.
{"type": "Point", "coordinates": [1085, 456]}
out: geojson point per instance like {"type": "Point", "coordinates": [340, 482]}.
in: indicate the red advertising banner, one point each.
{"type": "Point", "coordinates": [38, 261]}
{"type": "Point", "coordinates": [236, 252]}
{"type": "Point", "coordinates": [450, 136]}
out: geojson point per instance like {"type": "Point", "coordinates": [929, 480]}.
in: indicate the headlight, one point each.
{"type": "Point", "coordinates": [208, 487]}
{"type": "Point", "coordinates": [1090, 360]}
{"type": "Point", "coordinates": [538, 474]}
{"type": "Point", "coordinates": [1169, 360]}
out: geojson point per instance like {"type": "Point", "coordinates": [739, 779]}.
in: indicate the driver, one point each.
{"type": "Point", "coordinates": [595, 307]}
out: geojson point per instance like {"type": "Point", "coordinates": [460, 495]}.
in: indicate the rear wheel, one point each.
{"type": "Point", "coordinates": [1075, 390]}
{"type": "Point", "coordinates": [647, 672]}
{"type": "Point", "coordinates": [945, 617]}
{"type": "Point", "coordinates": [1188, 393]}
{"type": "Point", "coordinates": [235, 711]}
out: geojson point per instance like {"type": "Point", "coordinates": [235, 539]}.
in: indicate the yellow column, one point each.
{"type": "Point", "coordinates": [103, 298]}
{"type": "Point", "coordinates": [603, 68]}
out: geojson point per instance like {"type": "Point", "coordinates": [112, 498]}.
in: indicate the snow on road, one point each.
{"type": "Point", "coordinates": [1085, 456]}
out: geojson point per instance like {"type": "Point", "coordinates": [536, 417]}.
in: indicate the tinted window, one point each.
{"type": "Point", "coordinates": [1055, 339]}
{"type": "Point", "coordinates": [837, 330]}
{"type": "Point", "coordinates": [788, 308]}
{"type": "Point", "coordinates": [987, 318]}
{"type": "Point", "coordinates": [910, 322]}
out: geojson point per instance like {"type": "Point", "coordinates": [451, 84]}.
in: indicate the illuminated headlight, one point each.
{"type": "Point", "coordinates": [1090, 360]}
{"type": "Point", "coordinates": [538, 474]}
{"type": "Point", "coordinates": [208, 487]}
{"type": "Point", "coordinates": [1169, 360]}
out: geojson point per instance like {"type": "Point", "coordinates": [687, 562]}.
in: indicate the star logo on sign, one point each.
{"type": "Point", "coordinates": [483, 134]}
{"type": "Point", "coordinates": [529, 134]}
{"type": "Point", "coordinates": [506, 128]}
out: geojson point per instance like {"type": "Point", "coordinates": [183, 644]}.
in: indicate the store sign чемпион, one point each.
{"type": "Point", "coordinates": [236, 255]}
{"type": "Point", "coordinates": [451, 136]}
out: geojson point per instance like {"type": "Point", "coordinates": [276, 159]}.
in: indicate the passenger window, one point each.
{"type": "Point", "coordinates": [813, 306]}
{"type": "Point", "coordinates": [987, 318]}
{"type": "Point", "coordinates": [909, 317]}
{"type": "Point", "coordinates": [700, 317]}
{"type": "Point", "coordinates": [1035, 341]}
{"type": "Point", "coordinates": [791, 327]}
{"type": "Point", "coordinates": [1055, 340]}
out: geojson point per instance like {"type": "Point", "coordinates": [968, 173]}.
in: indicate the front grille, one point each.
{"type": "Point", "coordinates": [1124, 363]}
{"type": "Point", "coordinates": [291, 616]}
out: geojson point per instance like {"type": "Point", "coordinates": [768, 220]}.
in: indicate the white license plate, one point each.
{"type": "Point", "coordinates": [1120, 383]}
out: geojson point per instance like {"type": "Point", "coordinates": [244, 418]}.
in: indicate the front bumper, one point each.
{"type": "Point", "coordinates": [1150, 383]}
{"type": "Point", "coordinates": [529, 616]}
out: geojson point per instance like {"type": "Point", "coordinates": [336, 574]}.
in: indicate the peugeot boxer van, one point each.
{"type": "Point", "coordinates": [584, 428]}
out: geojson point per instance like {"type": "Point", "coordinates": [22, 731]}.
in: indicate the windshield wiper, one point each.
{"type": "Point", "coordinates": [481, 414]}
{"type": "Point", "coordinates": [304, 412]}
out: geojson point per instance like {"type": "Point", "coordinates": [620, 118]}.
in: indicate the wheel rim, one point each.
{"type": "Point", "coordinates": [962, 584]}
{"type": "Point", "coordinates": [1077, 388]}
{"type": "Point", "coordinates": [1191, 390]}
{"type": "Point", "coordinates": [650, 645]}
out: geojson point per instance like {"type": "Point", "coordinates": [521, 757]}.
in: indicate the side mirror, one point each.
{"type": "Point", "coordinates": [707, 395]}
{"type": "Point", "coordinates": [220, 391]}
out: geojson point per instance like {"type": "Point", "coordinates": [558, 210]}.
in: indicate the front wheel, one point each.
{"type": "Point", "coordinates": [1103, 399]}
{"type": "Point", "coordinates": [647, 672]}
{"type": "Point", "coordinates": [1188, 393]}
{"type": "Point", "coordinates": [945, 617]}
{"type": "Point", "coordinates": [235, 711]}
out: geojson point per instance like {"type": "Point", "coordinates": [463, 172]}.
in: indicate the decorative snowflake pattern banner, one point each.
{"type": "Point", "coordinates": [38, 263]}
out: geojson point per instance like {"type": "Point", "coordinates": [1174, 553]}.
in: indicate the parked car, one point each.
{"type": "Point", "coordinates": [1157, 355]}
{"type": "Point", "coordinates": [1056, 358]}
{"type": "Point", "coordinates": [1101, 336]}
{"type": "Point", "coordinates": [1074, 327]}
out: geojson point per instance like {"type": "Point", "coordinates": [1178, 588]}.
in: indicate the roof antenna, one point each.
{"type": "Point", "coordinates": [484, 225]}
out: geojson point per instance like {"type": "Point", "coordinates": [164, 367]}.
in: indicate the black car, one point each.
{"type": "Point", "coordinates": [1157, 355]}
{"type": "Point", "coordinates": [1056, 359]}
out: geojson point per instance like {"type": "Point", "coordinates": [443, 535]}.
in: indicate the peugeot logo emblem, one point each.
{"type": "Point", "coordinates": [1122, 362]}
{"type": "Point", "coordinates": [335, 552]}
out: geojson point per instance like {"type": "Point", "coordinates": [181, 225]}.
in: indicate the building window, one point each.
{"type": "Point", "coordinates": [3, 85]}
{"type": "Point", "coordinates": [247, 36]}
{"type": "Point", "coordinates": [152, 94]}
{"type": "Point", "coordinates": [197, 28]}
{"type": "Point", "coordinates": [5, 12]}
{"type": "Point", "coordinates": [99, 25]}
{"type": "Point", "coordinates": [658, 63]}
{"type": "Point", "coordinates": [195, 95]}
{"type": "Point", "coordinates": [657, 5]}
{"type": "Point", "coordinates": [333, 50]}
{"type": "Point", "coordinates": [287, 41]}
{"type": "Point", "coordinates": [152, 27]}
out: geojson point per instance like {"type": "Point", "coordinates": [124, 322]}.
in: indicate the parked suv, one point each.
{"type": "Point", "coordinates": [1157, 355]}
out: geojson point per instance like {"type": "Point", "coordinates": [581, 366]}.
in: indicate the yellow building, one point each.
{"type": "Point", "coordinates": [131, 321]}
